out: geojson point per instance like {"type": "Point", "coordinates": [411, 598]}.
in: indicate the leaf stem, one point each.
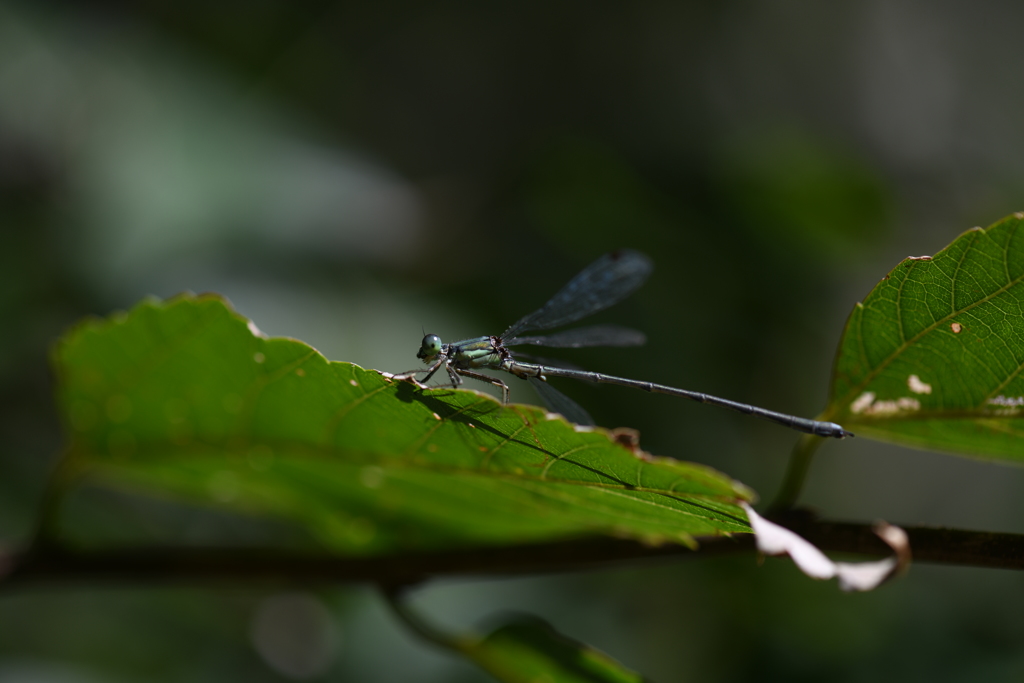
{"type": "Point", "coordinates": [796, 472]}
{"type": "Point", "coordinates": [46, 530]}
{"type": "Point", "coordinates": [404, 612]}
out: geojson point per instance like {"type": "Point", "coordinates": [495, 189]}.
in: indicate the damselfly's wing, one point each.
{"type": "Point", "coordinates": [557, 402]}
{"type": "Point", "coordinates": [547, 362]}
{"type": "Point", "coordinates": [603, 283]}
{"type": "Point", "coordinates": [595, 335]}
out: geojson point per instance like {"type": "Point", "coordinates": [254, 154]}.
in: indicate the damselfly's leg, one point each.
{"type": "Point", "coordinates": [411, 374]}
{"type": "Point", "coordinates": [489, 380]}
{"type": "Point", "coordinates": [453, 376]}
{"type": "Point", "coordinates": [435, 367]}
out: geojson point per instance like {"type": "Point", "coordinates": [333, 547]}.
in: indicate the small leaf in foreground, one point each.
{"type": "Point", "coordinates": [185, 399]}
{"type": "Point", "coordinates": [933, 357]}
{"type": "Point", "coordinates": [529, 650]}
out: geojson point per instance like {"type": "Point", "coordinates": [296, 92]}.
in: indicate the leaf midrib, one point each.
{"type": "Point", "coordinates": [100, 458]}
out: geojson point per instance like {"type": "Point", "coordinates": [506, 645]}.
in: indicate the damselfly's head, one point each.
{"type": "Point", "coordinates": [430, 348]}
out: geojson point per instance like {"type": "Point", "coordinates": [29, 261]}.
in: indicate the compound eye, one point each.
{"type": "Point", "coordinates": [430, 347]}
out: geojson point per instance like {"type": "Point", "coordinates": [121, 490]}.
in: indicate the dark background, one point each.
{"type": "Point", "coordinates": [352, 174]}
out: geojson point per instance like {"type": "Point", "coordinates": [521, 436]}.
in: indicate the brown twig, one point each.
{"type": "Point", "coordinates": [133, 565]}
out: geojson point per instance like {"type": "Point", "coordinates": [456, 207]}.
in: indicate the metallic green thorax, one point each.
{"type": "Point", "coordinates": [481, 352]}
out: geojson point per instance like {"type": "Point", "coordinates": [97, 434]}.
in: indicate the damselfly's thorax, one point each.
{"type": "Point", "coordinates": [481, 352]}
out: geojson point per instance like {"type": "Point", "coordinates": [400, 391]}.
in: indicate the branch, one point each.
{"type": "Point", "coordinates": [52, 565]}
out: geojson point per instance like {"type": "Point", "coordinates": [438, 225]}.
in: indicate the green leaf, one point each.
{"type": "Point", "coordinates": [933, 356]}
{"type": "Point", "coordinates": [186, 399]}
{"type": "Point", "coordinates": [529, 650]}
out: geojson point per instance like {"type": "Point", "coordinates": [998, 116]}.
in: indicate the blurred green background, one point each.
{"type": "Point", "coordinates": [352, 174]}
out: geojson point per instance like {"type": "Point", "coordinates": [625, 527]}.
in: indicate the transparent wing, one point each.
{"type": "Point", "coordinates": [557, 402]}
{"type": "Point", "coordinates": [596, 335]}
{"type": "Point", "coordinates": [603, 283]}
{"type": "Point", "coordinates": [546, 362]}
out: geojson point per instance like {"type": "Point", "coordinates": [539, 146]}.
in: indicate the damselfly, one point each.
{"type": "Point", "coordinates": [603, 283]}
